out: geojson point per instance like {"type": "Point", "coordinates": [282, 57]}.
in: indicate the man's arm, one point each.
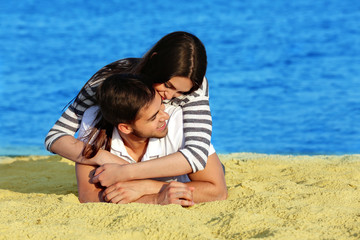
{"type": "Point", "coordinates": [171, 165]}
{"type": "Point", "coordinates": [209, 183]}
{"type": "Point", "coordinates": [88, 192]}
{"type": "Point", "coordinates": [121, 192]}
{"type": "Point", "coordinates": [206, 185]}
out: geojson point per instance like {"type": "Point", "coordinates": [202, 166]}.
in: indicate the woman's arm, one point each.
{"type": "Point", "coordinates": [71, 148]}
{"type": "Point", "coordinates": [197, 126]}
{"type": "Point", "coordinates": [171, 165]}
{"type": "Point", "coordinates": [60, 139]}
{"type": "Point", "coordinates": [197, 132]}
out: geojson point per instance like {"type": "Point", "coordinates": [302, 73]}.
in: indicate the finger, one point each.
{"type": "Point", "coordinates": [109, 197]}
{"type": "Point", "coordinates": [113, 194]}
{"type": "Point", "coordinates": [123, 201]}
{"type": "Point", "coordinates": [177, 184]}
{"type": "Point", "coordinates": [117, 199]}
{"type": "Point", "coordinates": [110, 189]}
{"type": "Point", "coordinates": [95, 179]}
{"type": "Point", "coordinates": [187, 195]}
{"type": "Point", "coordinates": [99, 170]}
{"type": "Point", "coordinates": [181, 194]}
{"type": "Point", "coordinates": [186, 203]}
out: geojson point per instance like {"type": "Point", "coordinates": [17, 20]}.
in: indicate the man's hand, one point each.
{"type": "Point", "coordinates": [125, 192]}
{"type": "Point", "coordinates": [176, 193]}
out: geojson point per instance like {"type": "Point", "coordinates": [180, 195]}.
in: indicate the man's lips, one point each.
{"type": "Point", "coordinates": [162, 127]}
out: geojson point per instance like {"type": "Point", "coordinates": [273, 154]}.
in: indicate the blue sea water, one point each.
{"type": "Point", "coordinates": [284, 75]}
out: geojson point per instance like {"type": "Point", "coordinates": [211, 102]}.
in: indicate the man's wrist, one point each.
{"type": "Point", "coordinates": [149, 199]}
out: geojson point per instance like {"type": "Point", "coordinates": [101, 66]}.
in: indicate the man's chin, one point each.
{"type": "Point", "coordinates": [162, 133]}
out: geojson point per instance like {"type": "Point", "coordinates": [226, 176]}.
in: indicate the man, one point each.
{"type": "Point", "coordinates": [146, 132]}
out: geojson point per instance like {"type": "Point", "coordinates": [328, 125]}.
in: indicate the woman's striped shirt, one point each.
{"type": "Point", "coordinates": [196, 115]}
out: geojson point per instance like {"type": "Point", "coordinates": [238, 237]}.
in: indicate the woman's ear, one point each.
{"type": "Point", "coordinates": [124, 128]}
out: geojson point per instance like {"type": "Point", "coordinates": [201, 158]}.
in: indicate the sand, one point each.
{"type": "Point", "coordinates": [270, 197]}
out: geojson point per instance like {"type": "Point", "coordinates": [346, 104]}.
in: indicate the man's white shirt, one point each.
{"type": "Point", "coordinates": [157, 147]}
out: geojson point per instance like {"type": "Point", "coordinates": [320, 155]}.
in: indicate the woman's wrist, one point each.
{"type": "Point", "coordinates": [103, 157]}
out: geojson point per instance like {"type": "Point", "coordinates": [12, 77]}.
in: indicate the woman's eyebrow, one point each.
{"type": "Point", "coordinates": [171, 85]}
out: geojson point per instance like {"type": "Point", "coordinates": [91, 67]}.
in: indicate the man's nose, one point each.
{"type": "Point", "coordinates": [164, 115]}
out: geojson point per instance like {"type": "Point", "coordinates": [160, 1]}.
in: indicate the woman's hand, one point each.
{"type": "Point", "coordinates": [109, 174]}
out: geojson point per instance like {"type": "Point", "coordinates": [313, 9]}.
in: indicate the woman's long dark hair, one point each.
{"type": "Point", "coordinates": [178, 54]}
{"type": "Point", "coordinates": [120, 98]}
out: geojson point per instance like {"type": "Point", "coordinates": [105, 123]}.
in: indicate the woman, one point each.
{"type": "Point", "coordinates": [177, 65]}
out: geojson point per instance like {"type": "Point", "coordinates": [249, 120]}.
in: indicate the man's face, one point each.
{"type": "Point", "coordinates": [151, 120]}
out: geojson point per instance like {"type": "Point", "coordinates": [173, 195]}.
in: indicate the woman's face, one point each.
{"type": "Point", "coordinates": [175, 87]}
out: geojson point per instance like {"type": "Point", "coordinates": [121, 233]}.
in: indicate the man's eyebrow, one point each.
{"type": "Point", "coordinates": [153, 116]}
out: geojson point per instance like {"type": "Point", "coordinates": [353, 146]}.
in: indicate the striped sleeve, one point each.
{"type": "Point", "coordinates": [69, 122]}
{"type": "Point", "coordinates": [197, 127]}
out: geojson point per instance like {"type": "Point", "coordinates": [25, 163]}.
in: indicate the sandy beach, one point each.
{"type": "Point", "coordinates": [270, 197]}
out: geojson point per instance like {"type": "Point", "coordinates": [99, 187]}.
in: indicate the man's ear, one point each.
{"type": "Point", "coordinates": [153, 54]}
{"type": "Point", "coordinates": [124, 128]}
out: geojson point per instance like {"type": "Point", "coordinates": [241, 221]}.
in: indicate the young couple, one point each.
{"type": "Point", "coordinates": [176, 67]}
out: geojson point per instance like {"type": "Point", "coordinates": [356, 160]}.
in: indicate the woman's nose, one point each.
{"type": "Point", "coordinates": [171, 94]}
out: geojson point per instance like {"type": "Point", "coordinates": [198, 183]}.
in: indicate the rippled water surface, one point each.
{"type": "Point", "coordinates": [284, 75]}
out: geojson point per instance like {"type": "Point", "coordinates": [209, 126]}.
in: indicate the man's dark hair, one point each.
{"type": "Point", "coordinates": [120, 98]}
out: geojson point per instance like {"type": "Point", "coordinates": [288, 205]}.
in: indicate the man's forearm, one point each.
{"type": "Point", "coordinates": [172, 193]}
{"type": "Point", "coordinates": [148, 199]}
{"type": "Point", "coordinates": [207, 192]}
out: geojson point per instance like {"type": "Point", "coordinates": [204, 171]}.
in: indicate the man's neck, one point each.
{"type": "Point", "coordinates": [135, 146]}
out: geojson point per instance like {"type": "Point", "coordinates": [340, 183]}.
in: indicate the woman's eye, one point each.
{"type": "Point", "coordinates": [166, 85]}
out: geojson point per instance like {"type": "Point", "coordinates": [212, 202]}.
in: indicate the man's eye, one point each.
{"type": "Point", "coordinates": [166, 85]}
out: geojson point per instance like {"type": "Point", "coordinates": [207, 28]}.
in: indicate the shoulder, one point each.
{"type": "Point", "coordinates": [88, 121]}
{"type": "Point", "coordinates": [119, 66]}
{"type": "Point", "coordinates": [90, 116]}
{"type": "Point", "coordinates": [175, 114]}
{"type": "Point", "coordinates": [175, 135]}
{"type": "Point", "coordinates": [203, 89]}
{"type": "Point", "coordinates": [201, 94]}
